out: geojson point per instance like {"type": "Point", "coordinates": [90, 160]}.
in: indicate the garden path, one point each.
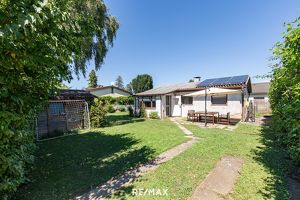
{"type": "Point", "coordinates": [111, 186]}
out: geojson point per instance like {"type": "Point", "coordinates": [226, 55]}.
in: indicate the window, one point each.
{"type": "Point", "coordinates": [219, 99]}
{"type": "Point", "coordinates": [150, 103]}
{"type": "Point", "coordinates": [186, 100]}
{"type": "Point", "coordinates": [259, 97]}
{"type": "Point", "coordinates": [56, 109]}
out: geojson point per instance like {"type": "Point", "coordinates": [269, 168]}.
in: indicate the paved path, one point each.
{"type": "Point", "coordinates": [220, 181]}
{"type": "Point", "coordinates": [101, 191]}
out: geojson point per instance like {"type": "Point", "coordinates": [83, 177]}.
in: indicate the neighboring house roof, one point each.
{"type": "Point", "coordinates": [227, 82]}
{"type": "Point", "coordinates": [260, 88]}
{"type": "Point", "coordinates": [170, 88]}
{"type": "Point", "coordinates": [105, 87]}
{"type": "Point", "coordinates": [73, 95]}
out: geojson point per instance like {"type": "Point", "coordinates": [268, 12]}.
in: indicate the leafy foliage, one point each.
{"type": "Point", "coordinates": [285, 90]}
{"type": "Point", "coordinates": [129, 88]}
{"type": "Point", "coordinates": [125, 100]}
{"type": "Point", "coordinates": [108, 100]}
{"type": "Point", "coordinates": [131, 111]}
{"type": "Point", "coordinates": [119, 82]}
{"type": "Point", "coordinates": [143, 112]}
{"type": "Point", "coordinates": [110, 108]}
{"type": "Point", "coordinates": [41, 44]}
{"type": "Point", "coordinates": [141, 83]}
{"type": "Point", "coordinates": [122, 100]}
{"type": "Point", "coordinates": [93, 79]}
{"type": "Point", "coordinates": [97, 113]}
{"type": "Point", "coordinates": [153, 115]}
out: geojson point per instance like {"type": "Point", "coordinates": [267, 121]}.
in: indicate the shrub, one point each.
{"type": "Point", "coordinates": [131, 111]}
{"type": "Point", "coordinates": [153, 115]}
{"type": "Point", "coordinates": [108, 100]}
{"type": "Point", "coordinates": [111, 109]}
{"type": "Point", "coordinates": [16, 149]}
{"type": "Point", "coordinates": [143, 112]}
{"type": "Point", "coordinates": [125, 100]}
{"type": "Point", "coordinates": [285, 91]}
{"type": "Point", "coordinates": [97, 113]}
{"type": "Point", "coordinates": [122, 109]}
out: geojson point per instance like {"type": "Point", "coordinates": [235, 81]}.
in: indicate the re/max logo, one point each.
{"type": "Point", "coordinates": [149, 192]}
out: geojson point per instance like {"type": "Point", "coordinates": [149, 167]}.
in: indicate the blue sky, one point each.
{"type": "Point", "coordinates": [174, 40]}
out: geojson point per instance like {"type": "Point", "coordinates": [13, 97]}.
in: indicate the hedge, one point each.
{"type": "Point", "coordinates": [285, 91]}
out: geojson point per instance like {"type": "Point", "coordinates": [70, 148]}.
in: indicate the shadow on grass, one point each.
{"type": "Point", "coordinates": [274, 158]}
{"type": "Point", "coordinates": [115, 119]}
{"type": "Point", "coordinates": [69, 166]}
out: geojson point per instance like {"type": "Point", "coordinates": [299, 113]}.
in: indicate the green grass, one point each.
{"type": "Point", "coordinates": [71, 165]}
{"type": "Point", "coordinates": [262, 175]}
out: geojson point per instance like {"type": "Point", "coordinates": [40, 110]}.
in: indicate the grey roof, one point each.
{"type": "Point", "coordinates": [260, 88]}
{"type": "Point", "coordinates": [224, 81]}
{"type": "Point", "coordinates": [230, 80]}
{"type": "Point", "coordinates": [169, 88]}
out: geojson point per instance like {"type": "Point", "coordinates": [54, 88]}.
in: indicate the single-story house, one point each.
{"type": "Point", "coordinates": [260, 98]}
{"type": "Point", "coordinates": [170, 100]}
{"type": "Point", "coordinates": [260, 91]}
{"type": "Point", "coordinates": [110, 90]}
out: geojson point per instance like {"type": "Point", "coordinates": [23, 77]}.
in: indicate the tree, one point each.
{"type": "Point", "coordinates": [129, 88]}
{"type": "Point", "coordinates": [119, 82]}
{"type": "Point", "coordinates": [41, 44]}
{"type": "Point", "coordinates": [285, 90]}
{"type": "Point", "coordinates": [63, 86]}
{"type": "Point", "coordinates": [141, 83]}
{"type": "Point", "coordinates": [92, 79]}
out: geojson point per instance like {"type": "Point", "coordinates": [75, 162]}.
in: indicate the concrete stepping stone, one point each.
{"type": "Point", "coordinates": [220, 181]}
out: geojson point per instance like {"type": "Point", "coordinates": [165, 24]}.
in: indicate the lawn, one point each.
{"type": "Point", "coordinates": [71, 165]}
{"type": "Point", "coordinates": [262, 175]}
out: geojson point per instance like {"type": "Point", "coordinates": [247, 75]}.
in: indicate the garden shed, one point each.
{"type": "Point", "coordinates": [61, 116]}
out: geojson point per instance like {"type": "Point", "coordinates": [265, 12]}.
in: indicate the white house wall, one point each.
{"type": "Point", "coordinates": [234, 105]}
{"type": "Point", "coordinates": [265, 96]}
{"type": "Point", "coordinates": [176, 105]}
{"type": "Point", "coordinates": [107, 92]}
{"type": "Point", "coordinates": [158, 102]}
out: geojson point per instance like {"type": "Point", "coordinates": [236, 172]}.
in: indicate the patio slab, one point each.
{"type": "Point", "coordinates": [181, 120]}
{"type": "Point", "coordinates": [220, 181]}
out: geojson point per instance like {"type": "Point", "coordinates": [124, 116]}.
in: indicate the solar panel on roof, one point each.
{"type": "Point", "coordinates": [238, 79]}
{"type": "Point", "coordinates": [221, 81]}
{"type": "Point", "coordinates": [224, 81]}
{"type": "Point", "coordinates": [205, 82]}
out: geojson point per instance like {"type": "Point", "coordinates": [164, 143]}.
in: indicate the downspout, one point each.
{"type": "Point", "coordinates": [242, 96]}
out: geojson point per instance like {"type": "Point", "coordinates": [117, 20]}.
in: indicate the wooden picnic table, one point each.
{"type": "Point", "coordinates": [212, 115]}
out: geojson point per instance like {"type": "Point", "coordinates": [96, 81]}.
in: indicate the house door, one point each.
{"type": "Point", "coordinates": [168, 105]}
